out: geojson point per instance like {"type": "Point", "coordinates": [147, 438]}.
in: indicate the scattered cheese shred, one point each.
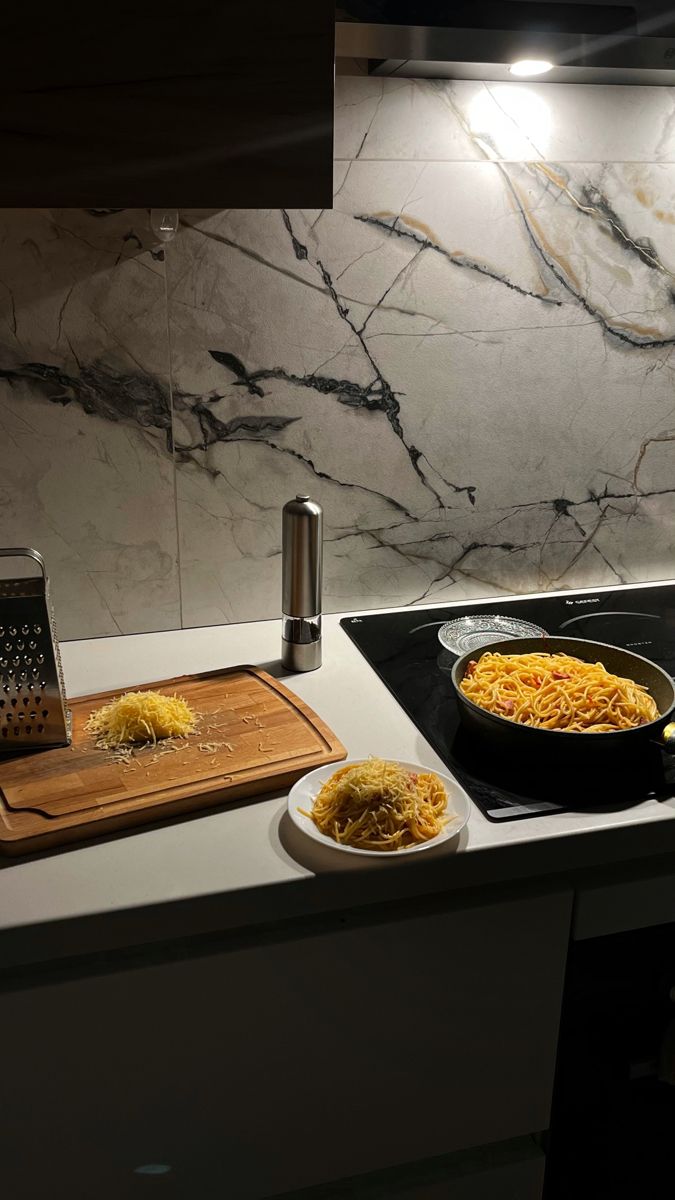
{"type": "Point", "coordinates": [140, 717]}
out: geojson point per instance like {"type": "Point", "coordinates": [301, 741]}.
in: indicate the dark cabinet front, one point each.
{"type": "Point", "coordinates": [214, 104]}
{"type": "Point", "coordinates": [614, 1104]}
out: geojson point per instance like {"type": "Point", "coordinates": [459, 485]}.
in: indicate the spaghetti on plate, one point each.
{"type": "Point", "coordinates": [379, 805]}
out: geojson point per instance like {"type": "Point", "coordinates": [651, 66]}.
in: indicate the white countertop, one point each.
{"type": "Point", "coordinates": [247, 863]}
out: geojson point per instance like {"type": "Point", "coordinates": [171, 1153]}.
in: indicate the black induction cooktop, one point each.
{"type": "Point", "coordinates": [404, 650]}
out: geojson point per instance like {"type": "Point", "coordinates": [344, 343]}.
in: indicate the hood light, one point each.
{"type": "Point", "coordinates": [530, 66]}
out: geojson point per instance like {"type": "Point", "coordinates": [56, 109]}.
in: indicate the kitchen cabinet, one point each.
{"type": "Point", "coordinates": [222, 103]}
{"type": "Point", "coordinates": [512, 1170]}
{"type": "Point", "coordinates": [214, 994]}
{"type": "Point", "coordinates": [290, 1058]}
{"type": "Point", "coordinates": [620, 901]}
{"type": "Point", "coordinates": [614, 1101]}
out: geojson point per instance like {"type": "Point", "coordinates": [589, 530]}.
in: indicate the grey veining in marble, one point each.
{"type": "Point", "coordinates": [468, 361]}
{"type": "Point", "coordinates": [86, 466]}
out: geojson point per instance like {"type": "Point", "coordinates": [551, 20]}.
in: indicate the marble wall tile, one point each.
{"type": "Point", "coordinates": [86, 464]}
{"type": "Point", "coordinates": [467, 361]}
{"type": "Point", "coordinates": [463, 120]}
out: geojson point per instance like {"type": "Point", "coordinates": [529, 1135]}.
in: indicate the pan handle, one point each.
{"type": "Point", "coordinates": [667, 741]}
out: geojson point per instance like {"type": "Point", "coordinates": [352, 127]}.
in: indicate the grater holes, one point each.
{"type": "Point", "coordinates": [37, 629]}
{"type": "Point", "coordinates": [20, 716]}
{"type": "Point", "coordinates": [28, 728]}
{"type": "Point", "coordinates": [33, 715]}
{"type": "Point", "coordinates": [40, 728]}
{"type": "Point", "coordinates": [3, 731]}
{"type": "Point", "coordinates": [21, 646]}
{"type": "Point", "coordinates": [9, 718]}
{"type": "Point", "coordinates": [45, 713]}
{"type": "Point", "coordinates": [31, 645]}
{"type": "Point", "coordinates": [25, 629]}
{"type": "Point", "coordinates": [12, 630]}
{"type": "Point", "coordinates": [2, 703]}
{"type": "Point", "coordinates": [39, 658]}
{"type": "Point", "coordinates": [38, 699]}
{"type": "Point", "coordinates": [26, 701]}
{"type": "Point", "coordinates": [14, 702]}
{"type": "Point", "coordinates": [17, 731]}
{"type": "Point", "coordinates": [7, 646]}
{"type": "Point", "coordinates": [27, 658]}
{"type": "Point", "coordinates": [16, 661]}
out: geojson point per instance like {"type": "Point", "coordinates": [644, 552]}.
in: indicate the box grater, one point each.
{"type": "Point", "coordinates": [33, 711]}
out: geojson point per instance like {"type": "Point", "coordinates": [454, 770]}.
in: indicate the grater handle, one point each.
{"type": "Point", "coordinates": [25, 552]}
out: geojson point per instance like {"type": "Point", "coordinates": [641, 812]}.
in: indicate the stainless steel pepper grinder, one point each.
{"type": "Point", "coordinates": [302, 565]}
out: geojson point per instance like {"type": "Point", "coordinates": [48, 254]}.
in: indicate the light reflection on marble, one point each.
{"type": "Point", "coordinates": [466, 120]}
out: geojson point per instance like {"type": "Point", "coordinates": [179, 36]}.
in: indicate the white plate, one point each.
{"type": "Point", "coordinates": [303, 792]}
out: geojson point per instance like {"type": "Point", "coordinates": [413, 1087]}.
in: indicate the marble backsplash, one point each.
{"type": "Point", "coordinates": [468, 361]}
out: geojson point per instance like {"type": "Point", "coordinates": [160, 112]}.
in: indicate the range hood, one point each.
{"type": "Point", "coordinates": [585, 42]}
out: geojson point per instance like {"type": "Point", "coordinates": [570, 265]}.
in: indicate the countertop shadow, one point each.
{"type": "Point", "coordinates": [319, 859]}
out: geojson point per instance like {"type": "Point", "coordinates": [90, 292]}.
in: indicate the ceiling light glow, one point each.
{"type": "Point", "coordinates": [530, 66]}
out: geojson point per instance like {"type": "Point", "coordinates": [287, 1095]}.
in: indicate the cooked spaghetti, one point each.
{"type": "Point", "coordinates": [557, 691]}
{"type": "Point", "coordinates": [379, 805]}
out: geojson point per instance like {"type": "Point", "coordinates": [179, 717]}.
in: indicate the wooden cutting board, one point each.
{"type": "Point", "coordinates": [254, 736]}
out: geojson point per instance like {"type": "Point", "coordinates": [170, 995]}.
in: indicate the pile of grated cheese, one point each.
{"type": "Point", "coordinates": [140, 717]}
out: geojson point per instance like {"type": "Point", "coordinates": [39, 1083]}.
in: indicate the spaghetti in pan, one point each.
{"type": "Point", "coordinates": [557, 691]}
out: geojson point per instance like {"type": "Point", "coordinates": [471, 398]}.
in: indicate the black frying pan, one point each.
{"type": "Point", "coordinates": [589, 747]}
